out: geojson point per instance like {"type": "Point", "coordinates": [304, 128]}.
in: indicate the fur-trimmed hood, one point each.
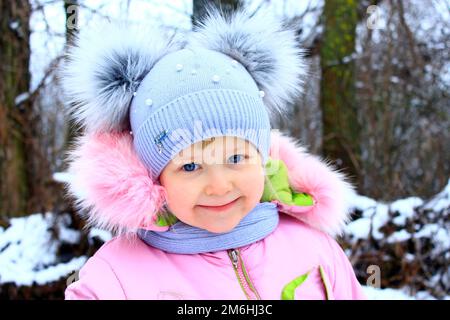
{"type": "Point", "coordinates": [113, 190]}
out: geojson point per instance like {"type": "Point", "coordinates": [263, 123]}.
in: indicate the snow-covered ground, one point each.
{"type": "Point", "coordinates": [396, 294]}
{"type": "Point", "coordinates": [29, 246]}
{"type": "Point", "coordinates": [376, 214]}
{"type": "Point", "coordinates": [28, 250]}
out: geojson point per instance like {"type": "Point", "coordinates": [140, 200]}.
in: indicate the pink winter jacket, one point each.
{"type": "Point", "coordinates": [299, 260]}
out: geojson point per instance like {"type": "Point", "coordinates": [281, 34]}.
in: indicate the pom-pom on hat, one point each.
{"type": "Point", "coordinates": [222, 81]}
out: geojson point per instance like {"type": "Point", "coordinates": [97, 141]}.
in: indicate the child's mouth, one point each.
{"type": "Point", "coordinates": [221, 208]}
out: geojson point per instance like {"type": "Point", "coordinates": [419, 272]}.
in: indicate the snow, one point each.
{"type": "Point", "coordinates": [28, 250]}
{"type": "Point", "coordinates": [44, 276]}
{"type": "Point", "coordinates": [439, 234]}
{"type": "Point", "coordinates": [101, 234]}
{"type": "Point", "coordinates": [21, 98]}
{"type": "Point", "coordinates": [395, 79]}
{"type": "Point", "coordinates": [362, 202]}
{"type": "Point", "coordinates": [405, 207]}
{"type": "Point", "coordinates": [385, 294]}
{"type": "Point", "coordinates": [14, 25]}
{"type": "Point", "coordinates": [379, 219]}
{"type": "Point", "coordinates": [69, 236]}
{"type": "Point", "coordinates": [65, 177]}
{"type": "Point", "coordinates": [376, 214]}
{"type": "Point", "coordinates": [62, 177]}
{"type": "Point", "coordinates": [409, 257]}
{"type": "Point", "coordinates": [359, 229]}
{"type": "Point", "coordinates": [441, 200]}
{"type": "Point", "coordinates": [395, 294]}
{"type": "Point", "coordinates": [399, 236]}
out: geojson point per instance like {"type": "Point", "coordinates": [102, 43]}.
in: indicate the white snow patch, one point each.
{"type": "Point", "coordinates": [399, 236]}
{"type": "Point", "coordinates": [439, 234]}
{"type": "Point", "coordinates": [441, 201]}
{"type": "Point", "coordinates": [396, 294]}
{"type": "Point", "coordinates": [28, 249]}
{"type": "Point", "coordinates": [14, 25]}
{"type": "Point", "coordinates": [362, 203]}
{"type": "Point", "coordinates": [385, 294]}
{"type": "Point", "coordinates": [377, 214]}
{"type": "Point", "coordinates": [379, 219]}
{"type": "Point", "coordinates": [101, 234]}
{"type": "Point", "coordinates": [21, 98]}
{"type": "Point", "coordinates": [359, 229]}
{"type": "Point", "coordinates": [405, 208]}
{"type": "Point", "coordinates": [63, 177]}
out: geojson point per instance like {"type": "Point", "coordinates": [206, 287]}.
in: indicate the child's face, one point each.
{"type": "Point", "coordinates": [202, 178]}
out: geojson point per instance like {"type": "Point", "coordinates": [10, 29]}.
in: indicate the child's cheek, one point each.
{"type": "Point", "coordinates": [254, 183]}
{"type": "Point", "coordinates": [181, 196]}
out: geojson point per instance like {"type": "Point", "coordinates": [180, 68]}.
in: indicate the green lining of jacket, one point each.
{"type": "Point", "coordinates": [288, 292]}
{"type": "Point", "coordinates": [279, 188]}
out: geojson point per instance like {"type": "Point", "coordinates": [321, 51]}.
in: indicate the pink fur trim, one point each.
{"type": "Point", "coordinates": [111, 183]}
{"type": "Point", "coordinates": [307, 173]}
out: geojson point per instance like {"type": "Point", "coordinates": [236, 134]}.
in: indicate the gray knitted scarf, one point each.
{"type": "Point", "coordinates": [185, 239]}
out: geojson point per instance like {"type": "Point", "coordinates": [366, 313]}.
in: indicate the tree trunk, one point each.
{"type": "Point", "coordinates": [71, 8]}
{"type": "Point", "coordinates": [341, 132]}
{"type": "Point", "coordinates": [15, 172]}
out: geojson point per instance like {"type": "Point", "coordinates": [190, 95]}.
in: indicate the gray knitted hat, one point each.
{"type": "Point", "coordinates": [223, 81]}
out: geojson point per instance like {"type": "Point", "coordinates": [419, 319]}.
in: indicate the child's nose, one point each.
{"type": "Point", "coordinates": [218, 183]}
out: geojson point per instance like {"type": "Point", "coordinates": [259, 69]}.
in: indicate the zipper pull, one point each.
{"type": "Point", "coordinates": [234, 257]}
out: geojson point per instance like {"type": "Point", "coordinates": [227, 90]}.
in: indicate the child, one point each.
{"type": "Point", "coordinates": [179, 161]}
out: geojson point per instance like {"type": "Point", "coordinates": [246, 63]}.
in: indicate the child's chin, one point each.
{"type": "Point", "coordinates": [221, 229]}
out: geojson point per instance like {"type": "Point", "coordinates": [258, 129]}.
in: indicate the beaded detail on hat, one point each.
{"type": "Point", "coordinates": [158, 140]}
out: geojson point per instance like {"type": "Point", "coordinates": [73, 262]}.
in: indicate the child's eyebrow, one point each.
{"type": "Point", "coordinates": [244, 147]}
{"type": "Point", "coordinates": [236, 148]}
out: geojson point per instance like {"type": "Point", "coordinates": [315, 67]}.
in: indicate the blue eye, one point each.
{"type": "Point", "coordinates": [235, 158]}
{"type": "Point", "coordinates": [190, 167]}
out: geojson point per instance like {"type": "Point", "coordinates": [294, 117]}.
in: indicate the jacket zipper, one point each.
{"type": "Point", "coordinates": [242, 275]}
